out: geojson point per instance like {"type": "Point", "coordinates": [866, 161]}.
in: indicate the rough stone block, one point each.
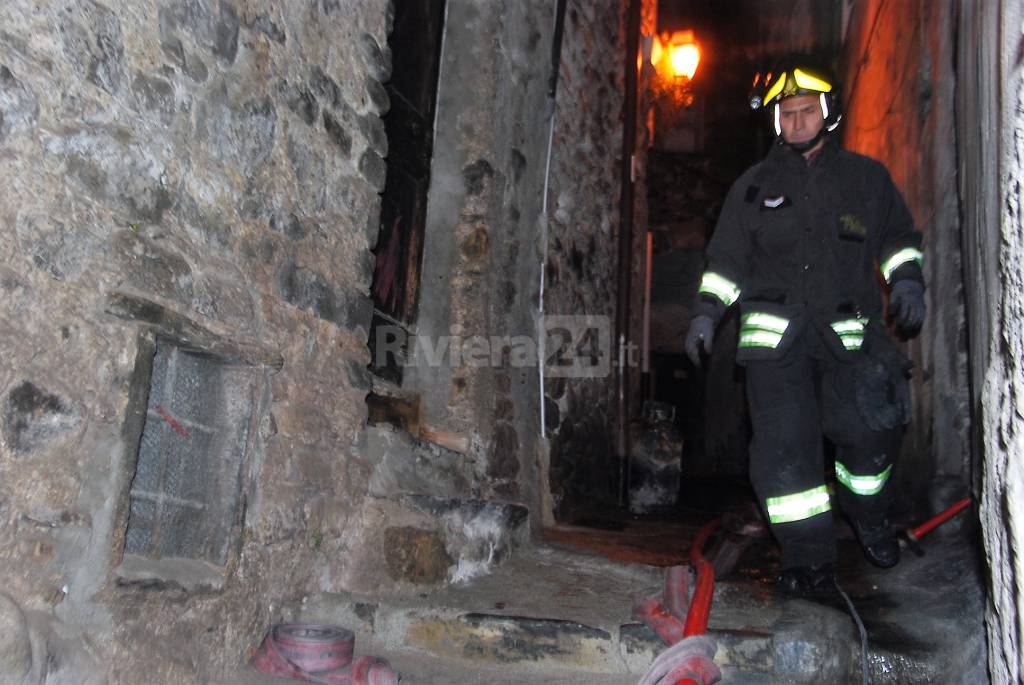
{"type": "Point", "coordinates": [225, 300]}
{"type": "Point", "coordinates": [32, 417]}
{"type": "Point", "coordinates": [115, 170]}
{"type": "Point", "coordinates": [372, 227]}
{"type": "Point", "coordinates": [61, 252]}
{"type": "Point", "coordinates": [358, 374]}
{"type": "Point", "coordinates": [215, 27]}
{"type": "Point", "coordinates": [206, 224]}
{"type": "Point", "coordinates": [401, 467]}
{"type": "Point", "coordinates": [302, 422]}
{"type": "Point", "coordinates": [300, 101]}
{"type": "Point", "coordinates": [337, 134]}
{"type": "Point", "coordinates": [19, 107]}
{"type": "Point", "coordinates": [380, 101]}
{"type": "Point", "coordinates": [313, 468]}
{"type": "Point", "coordinates": [309, 169]}
{"type": "Point", "coordinates": [373, 169]}
{"type": "Point", "coordinates": [327, 6]}
{"type": "Point", "coordinates": [154, 94]}
{"type": "Point", "coordinates": [239, 134]}
{"type": "Point", "coordinates": [324, 87]}
{"type": "Point", "coordinates": [151, 268]}
{"type": "Point", "coordinates": [359, 312]}
{"type": "Point", "coordinates": [265, 25]}
{"type": "Point", "coordinates": [416, 556]}
{"type": "Point", "coordinates": [15, 644]}
{"type": "Point", "coordinates": [378, 61]}
{"type": "Point", "coordinates": [195, 68]}
{"type": "Point", "coordinates": [307, 289]}
{"type": "Point", "coordinates": [372, 128]}
{"type": "Point", "coordinates": [92, 41]}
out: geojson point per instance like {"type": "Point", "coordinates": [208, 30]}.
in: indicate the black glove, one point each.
{"type": "Point", "coordinates": [702, 329]}
{"type": "Point", "coordinates": [906, 306]}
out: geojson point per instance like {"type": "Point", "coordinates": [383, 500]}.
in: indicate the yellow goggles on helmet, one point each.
{"type": "Point", "coordinates": [798, 80]}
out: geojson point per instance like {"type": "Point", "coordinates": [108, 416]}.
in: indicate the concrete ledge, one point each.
{"type": "Point", "coordinates": [191, 575]}
{"type": "Point", "coordinates": [513, 639]}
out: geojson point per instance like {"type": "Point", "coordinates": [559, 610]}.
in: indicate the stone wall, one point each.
{"type": "Point", "coordinates": [583, 225]}
{"type": "Point", "coordinates": [483, 247]}
{"type": "Point", "coordinates": [207, 175]}
{"type": "Point", "coordinates": [205, 172]}
{"type": "Point", "coordinates": [478, 290]}
{"type": "Point", "coordinates": [989, 129]}
{"type": "Point", "coordinates": [900, 111]}
{"type": "Point", "coordinates": [989, 87]}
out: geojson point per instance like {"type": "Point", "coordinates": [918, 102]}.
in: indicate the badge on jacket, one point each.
{"type": "Point", "coordinates": [852, 228]}
{"type": "Point", "coordinates": [770, 203]}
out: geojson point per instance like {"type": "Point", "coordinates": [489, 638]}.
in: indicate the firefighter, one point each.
{"type": "Point", "coordinates": [807, 242]}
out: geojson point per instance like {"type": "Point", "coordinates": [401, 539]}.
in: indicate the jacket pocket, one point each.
{"type": "Point", "coordinates": [767, 330]}
{"type": "Point", "coordinates": [851, 243]}
{"type": "Point", "coordinates": [852, 227]}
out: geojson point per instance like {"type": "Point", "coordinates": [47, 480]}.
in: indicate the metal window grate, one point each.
{"type": "Point", "coordinates": [185, 494]}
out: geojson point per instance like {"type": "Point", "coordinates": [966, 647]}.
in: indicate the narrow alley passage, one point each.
{"type": "Point", "coordinates": [447, 328]}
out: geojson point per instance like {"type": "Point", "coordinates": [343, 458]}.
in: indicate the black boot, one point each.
{"type": "Point", "coordinates": [808, 582]}
{"type": "Point", "coordinates": [879, 544]}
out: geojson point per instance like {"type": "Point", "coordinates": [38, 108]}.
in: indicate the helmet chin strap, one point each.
{"type": "Point", "coordinates": [808, 144]}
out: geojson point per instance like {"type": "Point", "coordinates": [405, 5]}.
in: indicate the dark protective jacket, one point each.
{"type": "Point", "coordinates": [800, 244]}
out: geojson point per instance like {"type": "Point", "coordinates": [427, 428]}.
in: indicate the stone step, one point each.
{"type": "Point", "coordinates": [544, 648]}
{"type": "Point", "coordinates": [553, 616]}
{"type": "Point", "coordinates": [550, 616]}
{"type": "Point", "coordinates": [560, 649]}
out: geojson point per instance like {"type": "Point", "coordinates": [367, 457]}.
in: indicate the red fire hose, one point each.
{"type": "Point", "coordinates": [690, 659]}
{"type": "Point", "coordinates": [700, 607]}
{"type": "Point", "coordinates": [315, 653]}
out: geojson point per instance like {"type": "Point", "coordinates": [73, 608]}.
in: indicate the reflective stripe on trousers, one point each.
{"type": "Point", "coordinates": [862, 485]}
{"type": "Point", "coordinates": [798, 506]}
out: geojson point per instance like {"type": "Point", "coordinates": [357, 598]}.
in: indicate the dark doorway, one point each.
{"type": "Point", "coordinates": [415, 44]}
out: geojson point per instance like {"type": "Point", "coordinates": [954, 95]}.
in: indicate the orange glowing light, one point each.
{"type": "Point", "coordinates": [684, 54]}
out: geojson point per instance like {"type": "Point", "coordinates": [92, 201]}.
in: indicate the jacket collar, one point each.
{"type": "Point", "coordinates": [783, 154]}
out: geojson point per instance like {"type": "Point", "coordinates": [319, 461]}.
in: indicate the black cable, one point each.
{"type": "Point", "coordinates": [863, 634]}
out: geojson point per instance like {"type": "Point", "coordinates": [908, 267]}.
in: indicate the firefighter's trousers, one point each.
{"type": "Point", "coordinates": [793, 402]}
